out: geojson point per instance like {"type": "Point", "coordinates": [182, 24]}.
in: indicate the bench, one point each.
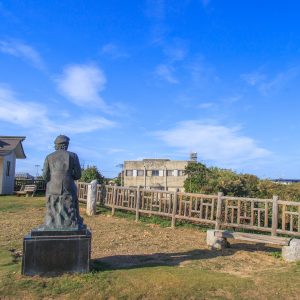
{"type": "Point", "coordinates": [217, 239]}
{"type": "Point", "coordinates": [251, 237]}
{"type": "Point", "coordinates": [27, 190]}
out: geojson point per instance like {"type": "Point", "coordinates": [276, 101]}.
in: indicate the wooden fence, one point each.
{"type": "Point", "coordinates": [272, 216]}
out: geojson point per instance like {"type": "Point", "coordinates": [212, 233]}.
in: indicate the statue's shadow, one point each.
{"type": "Point", "coordinates": [117, 262]}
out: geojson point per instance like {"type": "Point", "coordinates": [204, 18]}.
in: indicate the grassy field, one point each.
{"type": "Point", "coordinates": [145, 260]}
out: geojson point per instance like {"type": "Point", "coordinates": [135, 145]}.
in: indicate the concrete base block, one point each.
{"type": "Point", "coordinates": [292, 252]}
{"type": "Point", "coordinates": [216, 243]}
{"type": "Point", "coordinates": [54, 252]}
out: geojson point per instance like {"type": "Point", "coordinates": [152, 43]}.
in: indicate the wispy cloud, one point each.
{"type": "Point", "coordinates": [113, 51]}
{"type": "Point", "coordinates": [279, 81]}
{"type": "Point", "coordinates": [175, 50]}
{"type": "Point", "coordinates": [254, 78]}
{"type": "Point", "coordinates": [32, 115]}
{"type": "Point", "coordinates": [267, 84]}
{"type": "Point", "coordinates": [166, 72]}
{"type": "Point", "coordinates": [206, 105]}
{"type": "Point", "coordinates": [205, 2]}
{"type": "Point", "coordinates": [82, 84]}
{"type": "Point", "coordinates": [156, 11]}
{"type": "Point", "coordinates": [22, 50]}
{"type": "Point", "coordinates": [222, 145]}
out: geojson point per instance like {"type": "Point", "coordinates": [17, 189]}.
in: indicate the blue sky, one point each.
{"type": "Point", "coordinates": [137, 79]}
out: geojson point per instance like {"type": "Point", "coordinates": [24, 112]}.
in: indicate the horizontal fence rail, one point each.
{"type": "Point", "coordinates": [265, 215]}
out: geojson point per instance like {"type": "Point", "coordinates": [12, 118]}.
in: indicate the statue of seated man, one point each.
{"type": "Point", "coordinates": [61, 168]}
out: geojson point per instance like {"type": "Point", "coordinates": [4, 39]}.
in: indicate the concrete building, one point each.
{"type": "Point", "coordinates": [162, 174]}
{"type": "Point", "coordinates": [10, 149]}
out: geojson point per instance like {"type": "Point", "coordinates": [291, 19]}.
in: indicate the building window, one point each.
{"type": "Point", "coordinates": [8, 168]}
{"type": "Point", "coordinates": [155, 173]}
{"type": "Point", "coordinates": [170, 173]}
{"type": "Point", "coordinates": [180, 172]}
{"type": "Point", "coordinates": [140, 172]}
{"type": "Point", "coordinates": [129, 172]}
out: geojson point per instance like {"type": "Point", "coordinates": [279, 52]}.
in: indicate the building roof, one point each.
{"type": "Point", "coordinates": [23, 175]}
{"type": "Point", "coordinates": [9, 144]}
{"type": "Point", "coordinates": [156, 159]}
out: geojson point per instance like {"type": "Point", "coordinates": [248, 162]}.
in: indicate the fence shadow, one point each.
{"type": "Point", "coordinates": [117, 262]}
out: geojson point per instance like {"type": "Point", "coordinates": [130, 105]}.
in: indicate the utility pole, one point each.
{"type": "Point", "coordinates": [121, 166]}
{"type": "Point", "coordinates": [37, 170]}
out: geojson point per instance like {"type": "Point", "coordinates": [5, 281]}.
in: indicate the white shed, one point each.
{"type": "Point", "coordinates": [10, 149]}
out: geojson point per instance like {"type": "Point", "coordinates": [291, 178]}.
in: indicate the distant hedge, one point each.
{"type": "Point", "coordinates": [210, 180]}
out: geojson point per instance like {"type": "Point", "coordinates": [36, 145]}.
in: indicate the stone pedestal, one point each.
{"type": "Point", "coordinates": [54, 252]}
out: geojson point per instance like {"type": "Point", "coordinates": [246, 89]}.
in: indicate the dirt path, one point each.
{"type": "Point", "coordinates": [118, 242]}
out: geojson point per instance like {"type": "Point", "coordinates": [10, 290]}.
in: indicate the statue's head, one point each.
{"type": "Point", "coordinates": [61, 142]}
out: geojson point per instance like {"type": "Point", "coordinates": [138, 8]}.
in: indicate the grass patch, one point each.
{"type": "Point", "coordinates": [162, 222]}
{"type": "Point", "coordinates": [200, 275]}
{"type": "Point", "coordinates": [14, 204]}
{"type": "Point", "coordinates": [276, 254]}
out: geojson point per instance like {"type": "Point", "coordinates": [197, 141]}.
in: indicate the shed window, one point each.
{"type": "Point", "coordinates": [140, 172]}
{"type": "Point", "coordinates": [8, 168]}
{"type": "Point", "coordinates": [155, 172]}
{"type": "Point", "coordinates": [129, 172]}
{"type": "Point", "coordinates": [170, 173]}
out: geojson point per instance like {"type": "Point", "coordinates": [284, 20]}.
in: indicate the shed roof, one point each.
{"type": "Point", "coordinates": [12, 143]}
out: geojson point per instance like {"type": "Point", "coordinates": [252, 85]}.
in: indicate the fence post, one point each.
{"type": "Point", "coordinates": [275, 215]}
{"type": "Point", "coordinates": [91, 198]}
{"type": "Point", "coordinates": [137, 204]}
{"type": "Point", "coordinates": [173, 224]}
{"type": "Point", "coordinates": [219, 211]}
{"type": "Point", "coordinates": [114, 200]}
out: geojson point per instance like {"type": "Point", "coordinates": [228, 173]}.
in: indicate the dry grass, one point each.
{"type": "Point", "coordinates": [144, 261]}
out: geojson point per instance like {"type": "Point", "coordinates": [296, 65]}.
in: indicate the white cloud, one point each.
{"type": "Point", "coordinates": [18, 112]}
{"type": "Point", "coordinates": [37, 117]}
{"type": "Point", "coordinates": [22, 50]}
{"type": "Point", "coordinates": [166, 73]}
{"type": "Point", "coordinates": [82, 84]}
{"type": "Point", "coordinates": [223, 145]}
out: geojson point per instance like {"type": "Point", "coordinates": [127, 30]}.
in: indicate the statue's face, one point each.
{"type": "Point", "coordinates": [62, 146]}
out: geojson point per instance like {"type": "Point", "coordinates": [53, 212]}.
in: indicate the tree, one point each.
{"type": "Point", "coordinates": [118, 180]}
{"type": "Point", "coordinates": [198, 176]}
{"type": "Point", "coordinates": [212, 180]}
{"type": "Point", "coordinates": [91, 173]}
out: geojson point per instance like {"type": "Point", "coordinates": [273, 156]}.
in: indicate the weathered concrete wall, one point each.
{"type": "Point", "coordinates": [172, 181]}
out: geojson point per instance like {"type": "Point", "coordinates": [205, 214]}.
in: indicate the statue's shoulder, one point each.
{"type": "Point", "coordinates": [51, 155]}
{"type": "Point", "coordinates": [72, 154]}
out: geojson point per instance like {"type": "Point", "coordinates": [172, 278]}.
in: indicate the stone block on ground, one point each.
{"type": "Point", "coordinates": [291, 252]}
{"type": "Point", "coordinates": [214, 242]}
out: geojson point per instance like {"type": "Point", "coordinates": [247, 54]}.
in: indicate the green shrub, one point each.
{"type": "Point", "coordinates": [91, 173]}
